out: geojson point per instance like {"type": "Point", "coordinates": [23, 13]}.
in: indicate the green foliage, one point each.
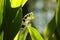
{"type": "Point", "coordinates": [50, 29]}
{"type": "Point", "coordinates": [17, 3]}
{"type": "Point", "coordinates": [21, 36]}
{"type": "Point", "coordinates": [10, 24]}
{"type": "Point", "coordinates": [53, 28]}
{"type": "Point", "coordinates": [35, 35]}
{"type": "Point", "coordinates": [11, 19]}
{"type": "Point", "coordinates": [1, 35]}
{"type": "Point", "coordinates": [1, 18]}
{"type": "Point", "coordinates": [1, 10]}
{"type": "Point", "coordinates": [58, 17]}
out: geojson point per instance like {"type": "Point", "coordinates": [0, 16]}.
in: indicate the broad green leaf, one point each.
{"type": "Point", "coordinates": [58, 17]}
{"type": "Point", "coordinates": [16, 37]}
{"type": "Point", "coordinates": [1, 10]}
{"type": "Point", "coordinates": [17, 22]}
{"type": "Point", "coordinates": [35, 35]}
{"type": "Point", "coordinates": [18, 18]}
{"type": "Point", "coordinates": [23, 35]}
{"type": "Point", "coordinates": [1, 35]}
{"type": "Point", "coordinates": [17, 3]}
{"type": "Point", "coordinates": [49, 30]}
{"type": "Point", "coordinates": [23, 2]}
{"type": "Point", "coordinates": [12, 27]}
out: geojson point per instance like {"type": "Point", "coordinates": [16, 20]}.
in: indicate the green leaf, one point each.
{"type": "Point", "coordinates": [35, 35]}
{"type": "Point", "coordinates": [23, 2]}
{"type": "Point", "coordinates": [1, 35]}
{"type": "Point", "coordinates": [21, 36]}
{"type": "Point", "coordinates": [11, 27]}
{"type": "Point", "coordinates": [1, 10]}
{"type": "Point", "coordinates": [16, 37]}
{"type": "Point", "coordinates": [17, 3]}
{"type": "Point", "coordinates": [17, 21]}
{"type": "Point", "coordinates": [18, 18]}
{"type": "Point", "coordinates": [49, 30]}
{"type": "Point", "coordinates": [58, 17]}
